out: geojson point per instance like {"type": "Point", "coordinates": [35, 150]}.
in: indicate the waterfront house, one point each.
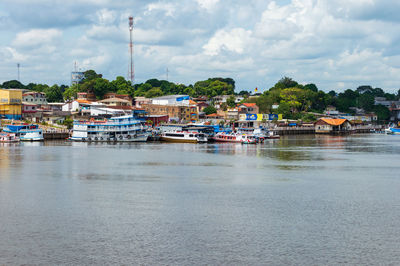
{"type": "Point", "coordinates": [11, 103]}
{"type": "Point", "coordinates": [232, 113]}
{"type": "Point", "coordinates": [112, 95]}
{"type": "Point", "coordinates": [331, 110]}
{"type": "Point", "coordinates": [140, 101]}
{"type": "Point", "coordinates": [220, 99]}
{"type": "Point", "coordinates": [28, 109]}
{"type": "Point", "coordinates": [34, 97]}
{"type": "Point", "coordinates": [332, 126]}
{"type": "Point", "coordinates": [117, 103]}
{"type": "Point", "coordinates": [87, 96]}
{"type": "Point", "coordinates": [248, 108]}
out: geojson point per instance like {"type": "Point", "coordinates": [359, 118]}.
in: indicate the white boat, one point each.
{"type": "Point", "coordinates": [183, 136]}
{"type": "Point", "coordinates": [8, 138]}
{"type": "Point", "coordinates": [235, 137]}
{"type": "Point", "coordinates": [116, 129]}
{"type": "Point", "coordinates": [392, 130]}
{"type": "Point", "coordinates": [25, 132]}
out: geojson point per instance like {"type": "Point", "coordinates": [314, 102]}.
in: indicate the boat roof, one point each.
{"type": "Point", "coordinates": [122, 117]}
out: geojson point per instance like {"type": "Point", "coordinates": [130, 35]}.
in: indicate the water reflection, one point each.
{"type": "Point", "coordinates": [299, 200]}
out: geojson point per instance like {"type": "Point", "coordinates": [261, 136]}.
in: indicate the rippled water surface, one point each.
{"type": "Point", "coordinates": [300, 200]}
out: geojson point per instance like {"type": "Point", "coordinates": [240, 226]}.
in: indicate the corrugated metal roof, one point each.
{"type": "Point", "coordinates": [334, 121]}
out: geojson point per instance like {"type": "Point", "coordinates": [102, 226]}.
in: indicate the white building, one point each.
{"type": "Point", "coordinates": [34, 97]}
{"type": "Point", "coordinates": [171, 100]}
{"type": "Point", "coordinates": [73, 106]}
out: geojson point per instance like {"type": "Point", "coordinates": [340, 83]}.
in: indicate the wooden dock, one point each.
{"type": "Point", "coordinates": [282, 131]}
{"type": "Point", "coordinates": [55, 135]}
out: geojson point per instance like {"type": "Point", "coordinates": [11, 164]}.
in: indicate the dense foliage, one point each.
{"type": "Point", "coordinates": [294, 100]}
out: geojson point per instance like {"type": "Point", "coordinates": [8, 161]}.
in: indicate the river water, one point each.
{"type": "Point", "coordinates": [300, 200]}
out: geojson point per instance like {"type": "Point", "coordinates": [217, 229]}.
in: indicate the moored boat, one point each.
{"type": "Point", "coordinates": [183, 136]}
{"type": "Point", "coordinates": [116, 129]}
{"type": "Point", "coordinates": [25, 132]}
{"type": "Point", "coordinates": [272, 135]}
{"type": "Point", "coordinates": [235, 137]}
{"type": "Point", "coordinates": [393, 130]}
{"type": "Point", "coordinates": [8, 138]}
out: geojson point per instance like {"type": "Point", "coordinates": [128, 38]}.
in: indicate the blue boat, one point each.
{"type": "Point", "coordinates": [393, 130]}
{"type": "Point", "coordinates": [116, 129]}
{"type": "Point", "coordinates": [25, 132]}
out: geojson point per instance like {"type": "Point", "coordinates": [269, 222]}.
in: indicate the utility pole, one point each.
{"type": "Point", "coordinates": [167, 73]}
{"type": "Point", "coordinates": [132, 71]}
{"type": "Point", "coordinates": [18, 65]}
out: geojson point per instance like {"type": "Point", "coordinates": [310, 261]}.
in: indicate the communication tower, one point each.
{"type": "Point", "coordinates": [131, 71]}
{"type": "Point", "coordinates": [76, 76]}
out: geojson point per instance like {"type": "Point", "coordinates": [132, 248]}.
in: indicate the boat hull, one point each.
{"type": "Point", "coordinates": [169, 139]}
{"type": "Point", "coordinates": [133, 139]}
{"type": "Point", "coordinates": [9, 141]}
{"type": "Point", "coordinates": [394, 131]}
{"type": "Point", "coordinates": [226, 140]}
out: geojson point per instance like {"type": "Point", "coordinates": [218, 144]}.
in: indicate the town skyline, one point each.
{"type": "Point", "coordinates": [336, 45]}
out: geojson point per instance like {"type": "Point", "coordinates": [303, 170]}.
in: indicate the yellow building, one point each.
{"type": "Point", "coordinates": [10, 103]}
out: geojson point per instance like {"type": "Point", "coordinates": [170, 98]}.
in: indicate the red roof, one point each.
{"type": "Point", "coordinates": [213, 115]}
{"type": "Point", "coordinates": [83, 101]}
{"type": "Point", "coordinates": [249, 104]}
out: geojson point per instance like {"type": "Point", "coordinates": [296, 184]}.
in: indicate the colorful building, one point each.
{"type": "Point", "coordinates": [11, 103]}
{"type": "Point", "coordinates": [178, 113]}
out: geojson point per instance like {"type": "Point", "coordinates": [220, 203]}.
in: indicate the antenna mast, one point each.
{"type": "Point", "coordinates": [132, 71]}
{"type": "Point", "coordinates": [18, 65]}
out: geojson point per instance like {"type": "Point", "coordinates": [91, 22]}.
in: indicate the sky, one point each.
{"type": "Point", "coordinates": [336, 44]}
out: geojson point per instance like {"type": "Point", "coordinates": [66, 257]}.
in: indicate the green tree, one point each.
{"type": "Point", "coordinates": [54, 94]}
{"type": "Point", "coordinates": [366, 101]}
{"type": "Point", "coordinates": [231, 101]}
{"type": "Point", "coordinates": [154, 92]}
{"type": "Point", "coordinates": [308, 117]}
{"type": "Point", "coordinates": [214, 86]}
{"type": "Point", "coordinates": [311, 87]}
{"type": "Point", "coordinates": [382, 112]}
{"type": "Point", "coordinates": [12, 84]}
{"type": "Point", "coordinates": [244, 93]}
{"type": "Point", "coordinates": [122, 86]}
{"type": "Point", "coordinates": [90, 75]}
{"type": "Point", "coordinates": [295, 98]}
{"type": "Point", "coordinates": [142, 89]}
{"type": "Point", "coordinates": [210, 110]}
{"type": "Point", "coordinates": [285, 83]}
{"type": "Point", "coordinates": [71, 92]}
{"type": "Point", "coordinates": [284, 109]}
{"type": "Point", "coordinates": [100, 87]}
{"type": "Point", "coordinates": [68, 122]}
{"type": "Point", "coordinates": [40, 87]}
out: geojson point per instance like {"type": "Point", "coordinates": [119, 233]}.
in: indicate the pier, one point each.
{"type": "Point", "coordinates": [282, 131]}
{"type": "Point", "coordinates": [55, 134]}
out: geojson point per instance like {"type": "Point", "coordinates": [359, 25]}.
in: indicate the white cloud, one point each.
{"type": "Point", "coordinates": [207, 4]}
{"type": "Point", "coordinates": [105, 16]}
{"type": "Point", "coordinates": [168, 8]}
{"type": "Point", "coordinates": [234, 40]}
{"type": "Point", "coordinates": [333, 43]}
{"type": "Point", "coordinates": [36, 37]}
